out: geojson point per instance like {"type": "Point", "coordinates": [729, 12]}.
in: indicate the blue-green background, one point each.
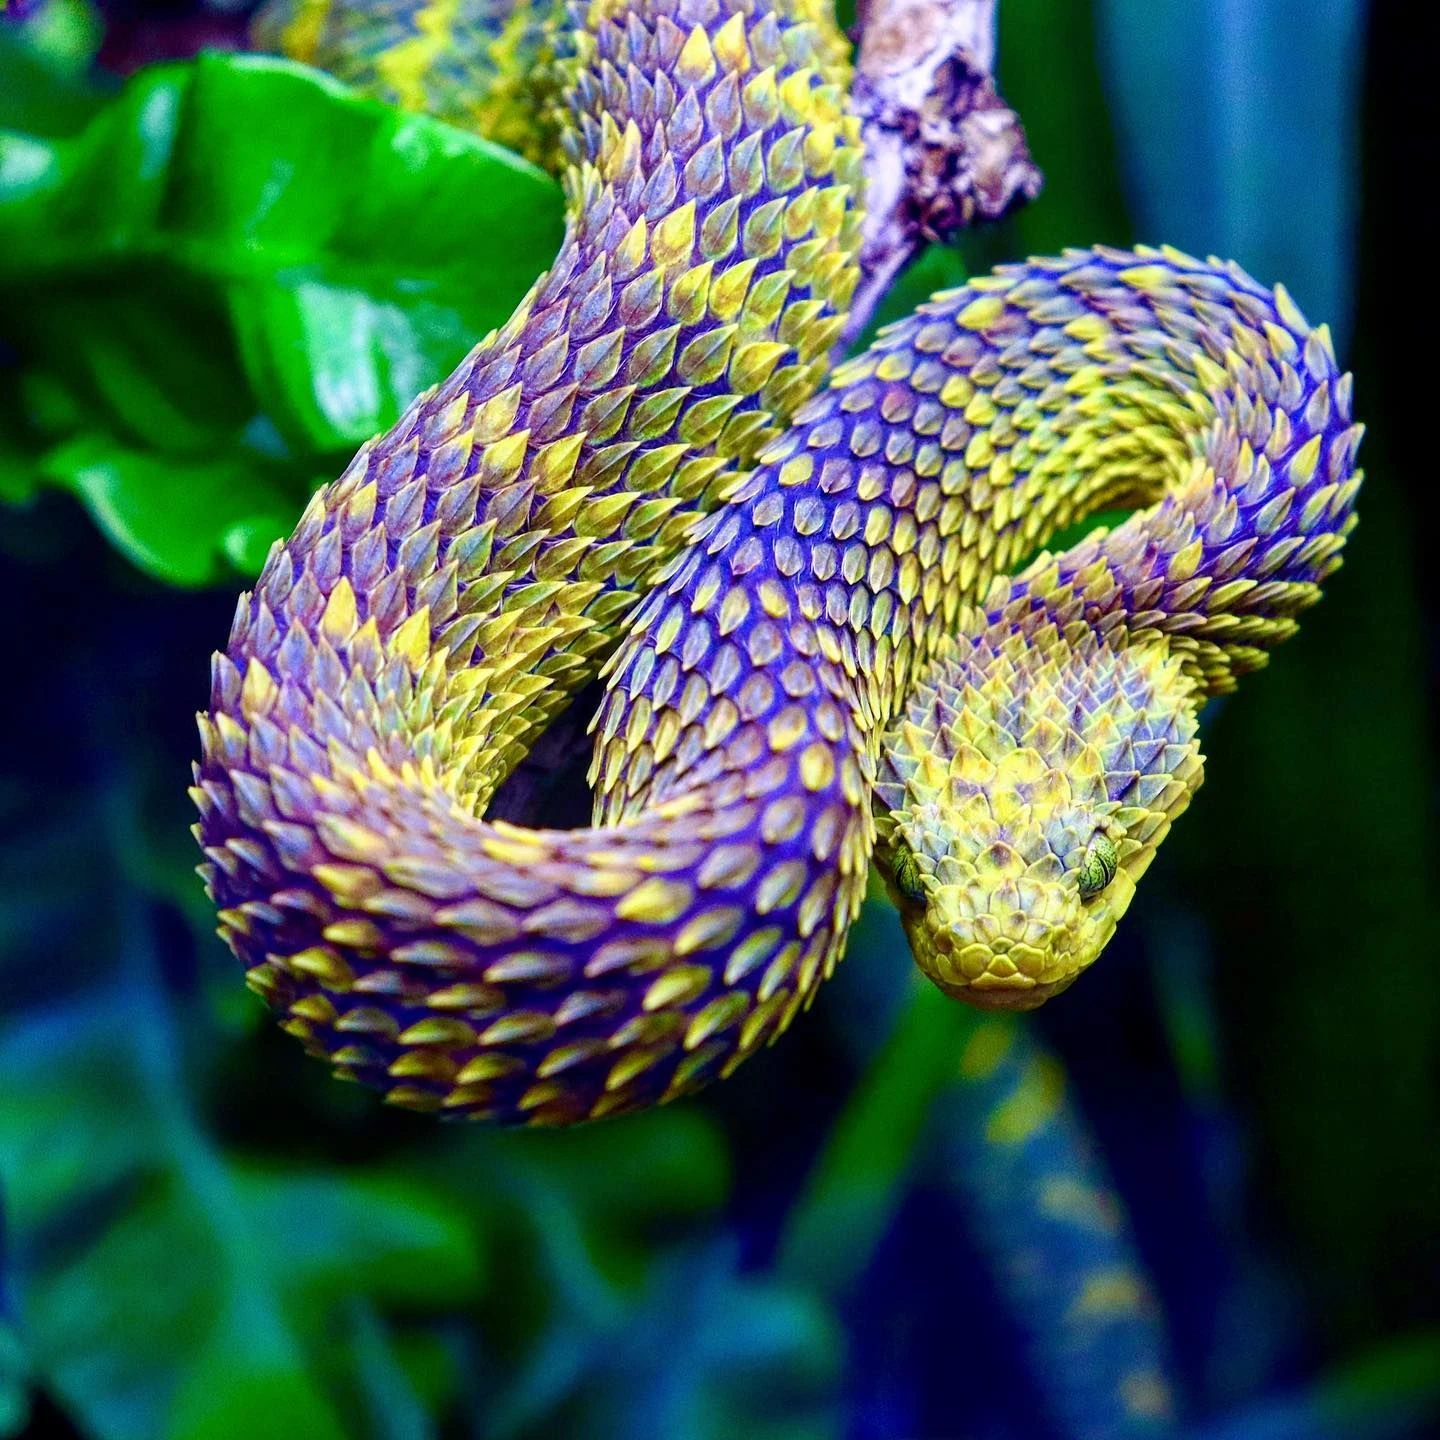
{"type": "Point", "coordinates": [213, 284]}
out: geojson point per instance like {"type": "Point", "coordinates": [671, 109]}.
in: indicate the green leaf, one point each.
{"type": "Point", "coordinates": [178, 519]}
{"type": "Point", "coordinates": [392, 1239]}
{"type": "Point", "coordinates": [860, 1177]}
{"type": "Point", "coordinates": [18, 471]}
{"type": "Point", "coordinates": [168, 1290]}
{"type": "Point", "coordinates": [137, 1238]}
{"type": "Point", "coordinates": [223, 1400]}
{"type": "Point", "coordinates": [14, 1381]}
{"type": "Point", "coordinates": [243, 227]}
{"type": "Point", "coordinates": [1050, 73]}
{"type": "Point", "coordinates": [393, 1401]}
{"type": "Point", "coordinates": [44, 62]}
{"type": "Point", "coordinates": [238, 237]}
{"type": "Point", "coordinates": [705, 1351]}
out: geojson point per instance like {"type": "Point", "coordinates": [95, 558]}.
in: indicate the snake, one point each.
{"type": "Point", "coordinates": [482, 65]}
{"type": "Point", "coordinates": [809, 591]}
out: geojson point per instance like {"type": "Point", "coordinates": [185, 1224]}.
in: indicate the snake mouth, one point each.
{"type": "Point", "coordinates": [980, 965]}
{"type": "Point", "coordinates": [999, 976]}
{"type": "Point", "coordinates": [996, 990]}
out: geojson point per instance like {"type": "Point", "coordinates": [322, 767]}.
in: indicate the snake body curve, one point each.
{"type": "Point", "coordinates": [796, 645]}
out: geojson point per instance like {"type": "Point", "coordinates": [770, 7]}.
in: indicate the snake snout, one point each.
{"type": "Point", "coordinates": [1008, 944]}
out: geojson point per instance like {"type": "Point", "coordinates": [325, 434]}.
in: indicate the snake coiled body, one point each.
{"type": "Point", "coordinates": [835, 619]}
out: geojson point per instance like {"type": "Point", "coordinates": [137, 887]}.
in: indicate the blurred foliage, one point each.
{"type": "Point", "coordinates": [217, 278]}
{"type": "Point", "coordinates": [1219, 117]}
{"type": "Point", "coordinates": [216, 308]}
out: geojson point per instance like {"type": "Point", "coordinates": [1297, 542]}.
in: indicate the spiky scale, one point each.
{"type": "Point", "coordinates": [478, 563]}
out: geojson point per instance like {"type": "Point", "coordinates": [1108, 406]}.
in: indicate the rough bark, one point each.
{"type": "Point", "coordinates": [942, 148]}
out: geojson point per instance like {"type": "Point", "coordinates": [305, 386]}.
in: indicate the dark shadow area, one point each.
{"type": "Point", "coordinates": [548, 789]}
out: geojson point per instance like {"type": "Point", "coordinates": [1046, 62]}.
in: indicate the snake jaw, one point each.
{"type": "Point", "coordinates": [1015, 767]}
{"type": "Point", "coordinates": [999, 943]}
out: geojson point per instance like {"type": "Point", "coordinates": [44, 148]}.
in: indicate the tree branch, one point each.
{"type": "Point", "coordinates": [942, 149]}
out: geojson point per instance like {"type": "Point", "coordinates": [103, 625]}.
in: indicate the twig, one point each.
{"type": "Point", "coordinates": [942, 148]}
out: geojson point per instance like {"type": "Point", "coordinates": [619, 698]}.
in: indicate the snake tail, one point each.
{"type": "Point", "coordinates": [486, 65]}
{"type": "Point", "coordinates": [1028, 1174]}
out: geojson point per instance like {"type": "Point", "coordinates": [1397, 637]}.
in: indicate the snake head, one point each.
{"type": "Point", "coordinates": [1029, 784]}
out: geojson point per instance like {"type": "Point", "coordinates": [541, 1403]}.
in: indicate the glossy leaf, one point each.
{"type": "Point", "coordinates": [166, 1290]}
{"type": "Point", "coordinates": [357, 252]}
{"type": "Point", "coordinates": [180, 519]}
{"type": "Point", "coordinates": [241, 236]}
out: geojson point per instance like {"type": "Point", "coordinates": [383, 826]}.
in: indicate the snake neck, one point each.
{"type": "Point", "coordinates": [1240, 545]}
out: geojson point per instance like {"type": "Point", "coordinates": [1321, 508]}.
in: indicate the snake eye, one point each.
{"type": "Point", "coordinates": [907, 875]}
{"type": "Point", "coordinates": [1098, 868]}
